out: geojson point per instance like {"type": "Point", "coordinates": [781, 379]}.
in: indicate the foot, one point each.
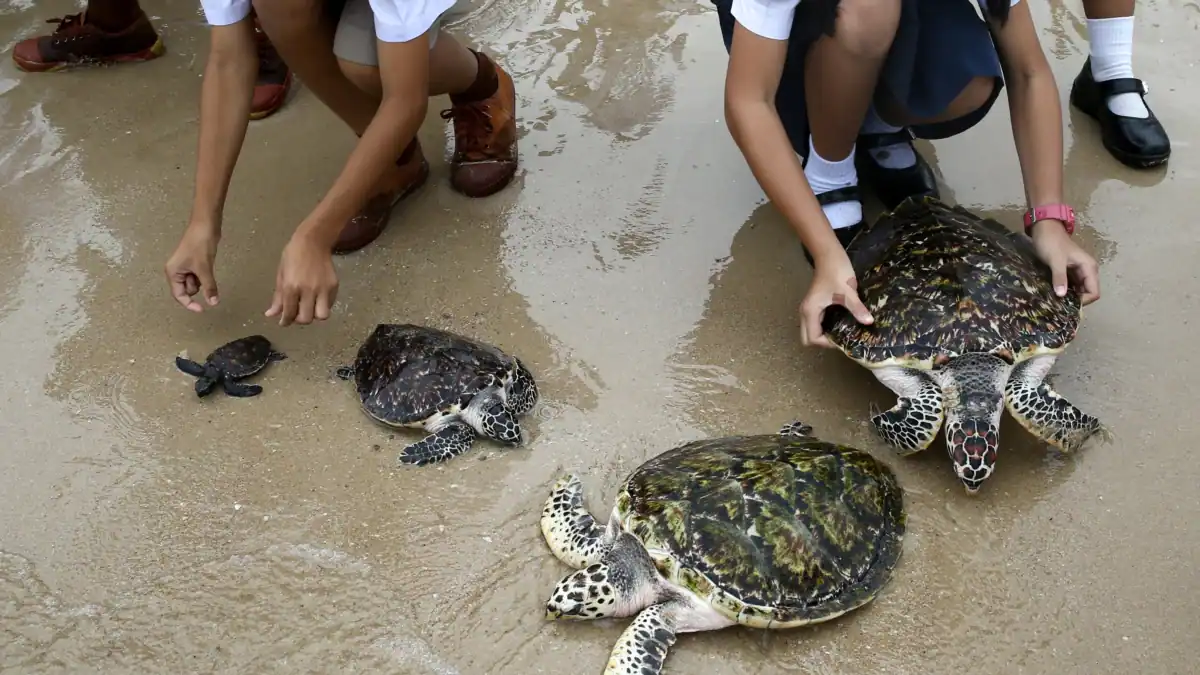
{"type": "Point", "coordinates": [893, 168]}
{"type": "Point", "coordinates": [77, 42]}
{"type": "Point", "coordinates": [372, 220]}
{"type": "Point", "coordinates": [834, 198]}
{"type": "Point", "coordinates": [1138, 142]}
{"type": "Point", "coordinates": [274, 77]}
{"type": "Point", "coordinates": [485, 140]}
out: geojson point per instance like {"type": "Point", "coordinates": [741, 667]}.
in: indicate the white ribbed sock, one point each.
{"type": "Point", "coordinates": [1110, 42]}
{"type": "Point", "coordinates": [897, 156]}
{"type": "Point", "coordinates": [825, 176]}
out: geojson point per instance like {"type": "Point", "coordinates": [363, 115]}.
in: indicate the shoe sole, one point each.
{"type": "Point", "coordinates": [1131, 161]}
{"type": "Point", "coordinates": [422, 178]}
{"type": "Point", "coordinates": [155, 51]}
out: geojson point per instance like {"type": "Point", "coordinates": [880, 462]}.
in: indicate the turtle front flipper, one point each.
{"type": "Point", "coordinates": [796, 429]}
{"type": "Point", "coordinates": [570, 531]}
{"type": "Point", "coordinates": [642, 648]}
{"type": "Point", "coordinates": [1044, 412]}
{"type": "Point", "coordinates": [910, 425]}
{"type": "Point", "coordinates": [450, 441]}
{"type": "Point", "coordinates": [189, 366]}
{"type": "Point", "coordinates": [240, 390]}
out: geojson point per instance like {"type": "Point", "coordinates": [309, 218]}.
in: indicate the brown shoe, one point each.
{"type": "Point", "coordinates": [485, 141]}
{"type": "Point", "coordinates": [76, 42]}
{"type": "Point", "coordinates": [274, 77]}
{"type": "Point", "coordinates": [373, 219]}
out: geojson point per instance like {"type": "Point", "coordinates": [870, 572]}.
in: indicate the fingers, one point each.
{"type": "Point", "coordinates": [1058, 272]}
{"type": "Point", "coordinates": [209, 283]}
{"type": "Point", "coordinates": [181, 290]}
{"type": "Point", "coordinates": [324, 302]}
{"type": "Point", "coordinates": [276, 303]}
{"type": "Point", "coordinates": [851, 302]}
{"type": "Point", "coordinates": [1087, 276]}
{"type": "Point", "coordinates": [304, 310]}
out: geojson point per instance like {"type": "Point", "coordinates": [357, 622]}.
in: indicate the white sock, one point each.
{"type": "Point", "coordinates": [1110, 42]}
{"type": "Point", "coordinates": [824, 176]}
{"type": "Point", "coordinates": [897, 156]}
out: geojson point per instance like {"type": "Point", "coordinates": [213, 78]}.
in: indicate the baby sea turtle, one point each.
{"type": "Point", "coordinates": [230, 362]}
{"type": "Point", "coordinates": [966, 323]}
{"type": "Point", "coordinates": [451, 386]}
{"type": "Point", "coordinates": [769, 531]}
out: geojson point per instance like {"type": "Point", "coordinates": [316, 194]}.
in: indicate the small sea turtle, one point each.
{"type": "Point", "coordinates": [769, 531]}
{"type": "Point", "coordinates": [966, 323]}
{"type": "Point", "coordinates": [230, 362]}
{"type": "Point", "coordinates": [451, 386]}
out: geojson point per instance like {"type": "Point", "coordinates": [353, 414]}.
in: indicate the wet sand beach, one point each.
{"type": "Point", "coordinates": [634, 266]}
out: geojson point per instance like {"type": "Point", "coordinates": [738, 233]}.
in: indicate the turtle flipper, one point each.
{"type": "Point", "coordinates": [205, 385]}
{"type": "Point", "coordinates": [275, 356]}
{"type": "Point", "coordinates": [189, 366]}
{"type": "Point", "coordinates": [1045, 413]}
{"type": "Point", "coordinates": [345, 372]}
{"type": "Point", "coordinates": [240, 390]}
{"type": "Point", "coordinates": [796, 429]}
{"type": "Point", "coordinates": [450, 441]}
{"type": "Point", "coordinates": [643, 646]}
{"type": "Point", "coordinates": [570, 531]}
{"type": "Point", "coordinates": [910, 425]}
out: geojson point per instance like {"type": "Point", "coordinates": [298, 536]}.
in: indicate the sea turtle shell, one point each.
{"type": "Point", "coordinates": [773, 530]}
{"type": "Point", "coordinates": [242, 357]}
{"type": "Point", "coordinates": [404, 373]}
{"type": "Point", "coordinates": [940, 282]}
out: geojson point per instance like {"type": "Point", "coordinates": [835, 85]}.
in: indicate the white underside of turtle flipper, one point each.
{"type": "Point", "coordinates": [570, 531]}
{"type": "Point", "coordinates": [642, 647]}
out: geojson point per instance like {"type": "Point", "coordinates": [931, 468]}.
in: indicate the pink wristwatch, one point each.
{"type": "Point", "coordinates": [1060, 212]}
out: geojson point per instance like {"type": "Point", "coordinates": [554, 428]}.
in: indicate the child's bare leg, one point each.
{"type": "Point", "coordinates": [841, 72]}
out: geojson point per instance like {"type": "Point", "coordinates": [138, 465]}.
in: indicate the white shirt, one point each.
{"type": "Point", "coordinates": [395, 20]}
{"type": "Point", "coordinates": [773, 18]}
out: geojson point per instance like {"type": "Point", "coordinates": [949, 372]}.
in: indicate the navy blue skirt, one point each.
{"type": "Point", "coordinates": [939, 48]}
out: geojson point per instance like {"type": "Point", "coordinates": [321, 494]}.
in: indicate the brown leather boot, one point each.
{"type": "Point", "coordinates": [485, 140]}
{"type": "Point", "coordinates": [76, 43]}
{"type": "Point", "coordinates": [373, 219]}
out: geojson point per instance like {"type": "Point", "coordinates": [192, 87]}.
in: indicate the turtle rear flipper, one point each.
{"type": "Point", "coordinates": [189, 366]}
{"type": "Point", "coordinates": [450, 441]}
{"type": "Point", "coordinates": [241, 390]}
{"type": "Point", "coordinates": [642, 648]}
{"type": "Point", "coordinates": [1044, 412]}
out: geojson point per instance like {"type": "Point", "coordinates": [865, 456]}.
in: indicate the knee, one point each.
{"type": "Point", "coordinates": [974, 96]}
{"type": "Point", "coordinates": [866, 27]}
{"type": "Point", "coordinates": [362, 76]}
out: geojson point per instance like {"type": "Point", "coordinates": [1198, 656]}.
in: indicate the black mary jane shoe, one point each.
{"type": "Point", "coordinates": [1137, 142]}
{"type": "Point", "coordinates": [893, 186]}
{"type": "Point", "coordinates": [845, 234]}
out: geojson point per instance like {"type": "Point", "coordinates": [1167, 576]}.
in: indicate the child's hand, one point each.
{"type": "Point", "coordinates": [190, 268]}
{"type": "Point", "coordinates": [1066, 260]}
{"type": "Point", "coordinates": [833, 283]}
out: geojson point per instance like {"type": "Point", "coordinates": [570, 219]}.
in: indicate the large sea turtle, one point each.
{"type": "Point", "coordinates": [966, 323]}
{"type": "Point", "coordinates": [768, 531]}
{"type": "Point", "coordinates": [230, 362]}
{"type": "Point", "coordinates": [451, 386]}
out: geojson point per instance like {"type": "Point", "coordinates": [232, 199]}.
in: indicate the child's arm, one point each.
{"type": "Point", "coordinates": [755, 66]}
{"type": "Point", "coordinates": [1037, 130]}
{"type": "Point", "coordinates": [1034, 107]}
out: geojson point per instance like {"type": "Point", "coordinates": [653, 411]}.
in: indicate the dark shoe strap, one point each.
{"type": "Point", "coordinates": [846, 194]}
{"type": "Point", "coordinates": [873, 141]}
{"type": "Point", "coordinates": [1121, 85]}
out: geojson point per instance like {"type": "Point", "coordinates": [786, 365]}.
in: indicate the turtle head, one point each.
{"type": "Point", "coordinates": [974, 389]}
{"type": "Point", "coordinates": [623, 583]}
{"type": "Point", "coordinates": [497, 422]}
